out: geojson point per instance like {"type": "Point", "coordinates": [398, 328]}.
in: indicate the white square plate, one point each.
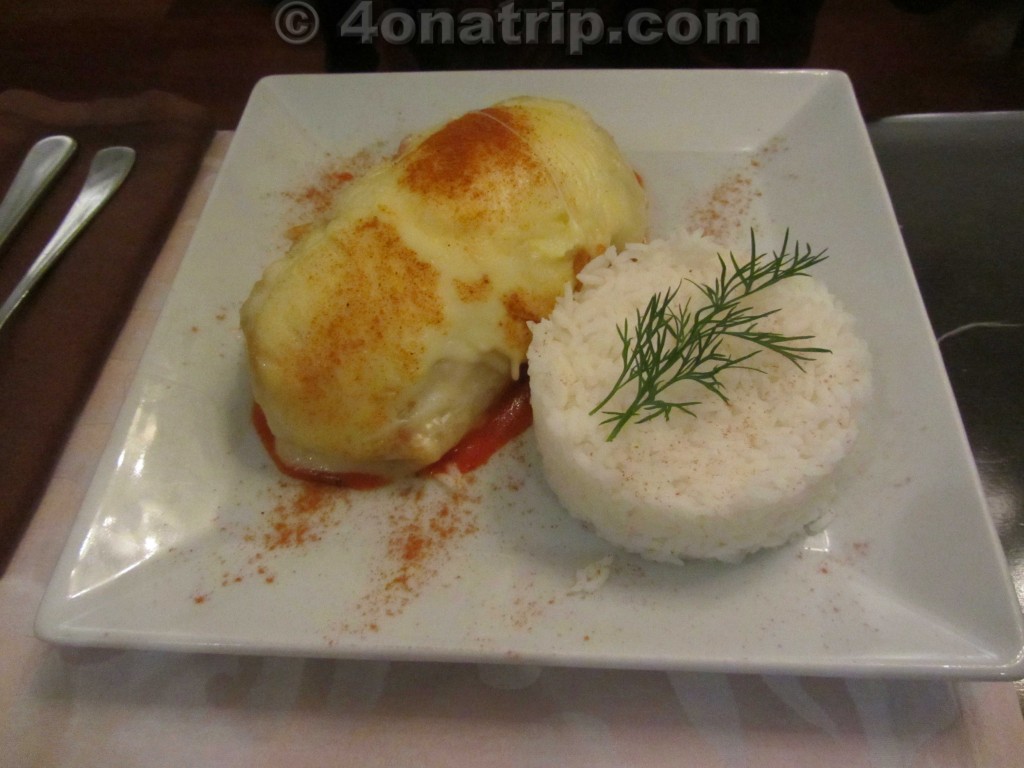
{"type": "Point", "coordinates": [189, 538]}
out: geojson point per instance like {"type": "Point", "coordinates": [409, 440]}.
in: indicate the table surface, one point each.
{"type": "Point", "coordinates": [90, 707]}
{"type": "Point", "coordinates": [954, 180]}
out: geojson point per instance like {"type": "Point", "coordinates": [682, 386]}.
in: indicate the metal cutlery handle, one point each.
{"type": "Point", "coordinates": [109, 168]}
{"type": "Point", "coordinates": [40, 167]}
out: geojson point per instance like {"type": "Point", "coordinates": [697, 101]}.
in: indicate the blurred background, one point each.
{"type": "Point", "coordinates": [902, 55]}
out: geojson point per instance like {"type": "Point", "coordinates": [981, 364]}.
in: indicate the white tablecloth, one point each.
{"type": "Point", "coordinates": [79, 707]}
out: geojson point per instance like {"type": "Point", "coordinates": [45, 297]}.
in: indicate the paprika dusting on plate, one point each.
{"type": "Point", "coordinates": [423, 532]}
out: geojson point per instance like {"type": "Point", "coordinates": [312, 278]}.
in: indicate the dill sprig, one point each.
{"type": "Point", "coordinates": [669, 343]}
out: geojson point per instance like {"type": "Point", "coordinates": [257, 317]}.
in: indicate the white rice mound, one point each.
{"type": "Point", "coordinates": [739, 476]}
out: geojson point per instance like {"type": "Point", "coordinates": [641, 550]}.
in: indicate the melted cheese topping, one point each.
{"type": "Point", "coordinates": [385, 332]}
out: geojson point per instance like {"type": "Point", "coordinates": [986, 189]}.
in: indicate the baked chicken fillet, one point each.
{"type": "Point", "coordinates": [392, 325]}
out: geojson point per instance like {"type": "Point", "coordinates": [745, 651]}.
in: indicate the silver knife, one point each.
{"type": "Point", "coordinates": [109, 168]}
{"type": "Point", "coordinates": [43, 162]}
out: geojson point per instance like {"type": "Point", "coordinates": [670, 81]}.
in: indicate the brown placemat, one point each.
{"type": "Point", "coordinates": [53, 348]}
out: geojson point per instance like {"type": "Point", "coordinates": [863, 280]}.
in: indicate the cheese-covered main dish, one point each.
{"type": "Point", "coordinates": [387, 330]}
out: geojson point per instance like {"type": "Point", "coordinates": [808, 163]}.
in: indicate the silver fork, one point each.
{"type": "Point", "coordinates": [109, 168]}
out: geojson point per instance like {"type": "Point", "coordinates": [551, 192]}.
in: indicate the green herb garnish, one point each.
{"type": "Point", "coordinates": [671, 343]}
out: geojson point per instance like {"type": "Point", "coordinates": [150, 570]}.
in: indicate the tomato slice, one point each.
{"type": "Point", "coordinates": [355, 480]}
{"type": "Point", "coordinates": [504, 421]}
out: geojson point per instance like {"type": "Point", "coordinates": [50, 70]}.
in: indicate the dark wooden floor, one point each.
{"type": "Point", "coordinates": [968, 55]}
